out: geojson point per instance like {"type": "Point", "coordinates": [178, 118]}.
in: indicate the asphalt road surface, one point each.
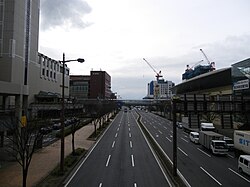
{"type": "Point", "coordinates": [122, 157]}
{"type": "Point", "coordinates": [198, 166]}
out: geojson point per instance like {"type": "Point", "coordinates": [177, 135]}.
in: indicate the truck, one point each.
{"type": "Point", "coordinates": [242, 141]}
{"type": "Point", "coordinates": [207, 127]}
{"type": "Point", "coordinates": [213, 141]}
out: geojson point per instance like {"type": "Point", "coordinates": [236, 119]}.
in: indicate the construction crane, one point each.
{"type": "Point", "coordinates": [205, 56]}
{"type": "Point", "coordinates": [197, 63]}
{"type": "Point", "coordinates": [158, 75]}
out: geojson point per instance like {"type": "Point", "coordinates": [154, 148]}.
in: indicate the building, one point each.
{"type": "Point", "coordinates": [100, 85]}
{"type": "Point", "coordinates": [26, 76]}
{"type": "Point", "coordinates": [227, 84]}
{"type": "Point", "coordinates": [97, 85]}
{"type": "Point", "coordinates": [19, 28]}
{"type": "Point", "coordinates": [160, 89]}
{"type": "Point", "coordinates": [79, 87]}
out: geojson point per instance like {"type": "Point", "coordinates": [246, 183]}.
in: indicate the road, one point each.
{"type": "Point", "coordinates": [198, 166]}
{"type": "Point", "coordinates": [122, 157]}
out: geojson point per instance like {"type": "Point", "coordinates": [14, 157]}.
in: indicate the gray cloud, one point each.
{"type": "Point", "coordinates": [57, 12]}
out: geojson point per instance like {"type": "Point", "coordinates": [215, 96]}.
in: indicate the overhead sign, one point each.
{"type": "Point", "coordinates": [241, 85]}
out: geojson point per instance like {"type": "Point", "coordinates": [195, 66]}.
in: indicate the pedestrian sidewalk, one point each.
{"type": "Point", "coordinates": [44, 160]}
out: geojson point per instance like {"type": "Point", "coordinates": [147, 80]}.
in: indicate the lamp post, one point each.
{"type": "Point", "coordinates": [81, 60]}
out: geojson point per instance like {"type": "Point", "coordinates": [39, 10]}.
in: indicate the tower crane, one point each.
{"type": "Point", "coordinates": [205, 56]}
{"type": "Point", "coordinates": [158, 75]}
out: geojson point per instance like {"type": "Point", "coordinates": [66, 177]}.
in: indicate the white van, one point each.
{"type": "Point", "coordinates": [207, 127]}
{"type": "Point", "coordinates": [194, 137]}
{"type": "Point", "coordinates": [244, 164]}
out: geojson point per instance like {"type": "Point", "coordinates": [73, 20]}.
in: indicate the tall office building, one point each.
{"type": "Point", "coordinates": [19, 28]}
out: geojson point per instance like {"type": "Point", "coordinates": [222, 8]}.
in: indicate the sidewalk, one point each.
{"type": "Point", "coordinates": [44, 160]}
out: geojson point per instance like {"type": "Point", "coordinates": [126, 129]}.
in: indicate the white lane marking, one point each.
{"type": "Point", "coordinates": [154, 127]}
{"type": "Point", "coordinates": [107, 163]}
{"type": "Point", "coordinates": [135, 185]}
{"type": "Point", "coordinates": [169, 139]}
{"type": "Point", "coordinates": [231, 156]}
{"type": "Point", "coordinates": [184, 140]}
{"type": "Point", "coordinates": [171, 132]}
{"type": "Point", "coordinates": [156, 135]}
{"type": "Point", "coordinates": [211, 176]}
{"type": "Point", "coordinates": [204, 152]}
{"type": "Point", "coordinates": [118, 129]}
{"type": "Point", "coordinates": [165, 128]}
{"type": "Point", "coordinates": [130, 143]}
{"type": "Point", "coordinates": [239, 175]}
{"type": "Point", "coordinates": [132, 161]}
{"type": "Point", "coordinates": [128, 124]}
{"type": "Point", "coordinates": [100, 185]}
{"type": "Point", "coordinates": [160, 132]}
{"type": "Point", "coordinates": [128, 129]}
{"type": "Point", "coordinates": [183, 151]}
{"type": "Point", "coordinates": [129, 134]}
{"type": "Point", "coordinates": [113, 144]}
{"type": "Point", "coordinates": [116, 135]}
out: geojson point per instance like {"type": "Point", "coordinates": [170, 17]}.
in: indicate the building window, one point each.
{"type": "Point", "coordinates": [43, 61]}
{"type": "Point", "coordinates": [47, 73]}
{"type": "Point", "coordinates": [51, 74]}
{"type": "Point", "coordinates": [54, 75]}
{"type": "Point", "coordinates": [43, 72]}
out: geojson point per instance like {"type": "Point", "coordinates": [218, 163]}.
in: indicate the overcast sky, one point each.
{"type": "Point", "coordinates": [115, 36]}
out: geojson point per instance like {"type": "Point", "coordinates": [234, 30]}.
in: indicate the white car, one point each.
{"type": "Point", "coordinates": [244, 164]}
{"type": "Point", "coordinates": [194, 137]}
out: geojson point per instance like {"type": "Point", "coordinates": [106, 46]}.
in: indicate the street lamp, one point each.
{"type": "Point", "coordinates": [81, 60]}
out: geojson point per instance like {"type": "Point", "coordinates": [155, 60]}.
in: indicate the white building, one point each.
{"type": "Point", "coordinates": [160, 89]}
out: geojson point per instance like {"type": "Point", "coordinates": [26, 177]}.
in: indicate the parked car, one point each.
{"type": "Point", "coordinates": [57, 126]}
{"type": "Point", "coordinates": [46, 130]}
{"type": "Point", "coordinates": [244, 164]}
{"type": "Point", "coordinates": [194, 137]}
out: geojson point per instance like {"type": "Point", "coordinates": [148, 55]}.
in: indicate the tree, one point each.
{"type": "Point", "coordinates": [24, 138]}
{"type": "Point", "coordinates": [74, 126]}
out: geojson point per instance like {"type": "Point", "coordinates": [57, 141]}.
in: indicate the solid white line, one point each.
{"type": "Point", "coordinates": [100, 185]}
{"type": "Point", "coordinates": [169, 139]}
{"type": "Point", "coordinates": [132, 161]}
{"type": "Point", "coordinates": [107, 163]}
{"type": "Point", "coordinates": [184, 140]}
{"type": "Point", "coordinates": [130, 143]}
{"type": "Point", "coordinates": [211, 176]}
{"type": "Point", "coordinates": [129, 134]}
{"type": "Point", "coordinates": [116, 135]}
{"type": "Point", "coordinates": [204, 152]}
{"type": "Point", "coordinates": [239, 175]}
{"type": "Point", "coordinates": [113, 144]}
{"type": "Point", "coordinates": [183, 151]}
